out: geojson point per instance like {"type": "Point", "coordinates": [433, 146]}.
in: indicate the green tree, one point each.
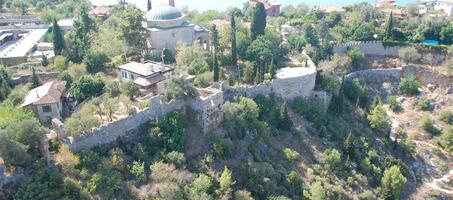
{"type": "Point", "coordinates": [316, 191]}
{"type": "Point", "coordinates": [310, 35]}
{"type": "Point", "coordinates": [180, 88]}
{"type": "Point", "coordinates": [226, 181]}
{"type": "Point", "coordinates": [349, 145]}
{"type": "Point", "coordinates": [86, 86]}
{"type": "Point", "coordinates": [34, 79]}
{"type": "Point", "coordinates": [446, 34]}
{"type": "Point", "coordinates": [22, 5]}
{"type": "Point", "coordinates": [110, 106]}
{"type": "Point", "coordinates": [445, 140]}
{"type": "Point", "coordinates": [379, 119]}
{"type": "Point", "coordinates": [138, 170]}
{"type": "Point", "coordinates": [258, 21]}
{"type": "Point", "coordinates": [234, 54]}
{"type": "Point", "coordinates": [357, 57]}
{"type": "Point", "coordinates": [58, 40]}
{"type": "Point", "coordinates": [133, 32]}
{"type": "Point", "coordinates": [389, 28]}
{"type": "Point", "coordinates": [149, 5]}
{"type": "Point", "coordinates": [392, 183]}
{"type": "Point", "coordinates": [5, 82]}
{"type": "Point", "coordinates": [285, 121]}
{"type": "Point", "coordinates": [44, 60]}
{"type": "Point", "coordinates": [215, 45]}
{"type": "Point", "coordinates": [95, 62]}
{"type": "Point", "coordinates": [129, 89]}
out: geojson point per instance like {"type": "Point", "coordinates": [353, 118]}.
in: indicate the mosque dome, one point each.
{"type": "Point", "coordinates": [163, 12]}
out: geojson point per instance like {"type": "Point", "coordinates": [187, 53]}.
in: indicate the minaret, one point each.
{"type": "Point", "coordinates": [171, 3]}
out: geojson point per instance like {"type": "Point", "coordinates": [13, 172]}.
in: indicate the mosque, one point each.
{"type": "Point", "coordinates": [167, 26]}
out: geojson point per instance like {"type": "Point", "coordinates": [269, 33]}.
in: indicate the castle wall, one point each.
{"type": "Point", "coordinates": [125, 127]}
{"type": "Point", "coordinates": [373, 48]}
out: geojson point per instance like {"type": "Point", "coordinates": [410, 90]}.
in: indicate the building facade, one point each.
{"type": "Point", "coordinates": [167, 26]}
{"type": "Point", "coordinates": [272, 9]}
{"type": "Point", "coordinates": [150, 77]}
{"type": "Point", "coordinates": [47, 101]}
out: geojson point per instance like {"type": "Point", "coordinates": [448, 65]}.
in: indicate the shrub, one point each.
{"type": "Point", "coordinates": [445, 140]}
{"type": "Point", "coordinates": [353, 90]}
{"type": "Point", "coordinates": [393, 104]}
{"type": "Point", "coordinates": [423, 103]}
{"type": "Point", "coordinates": [409, 54]}
{"type": "Point", "coordinates": [129, 89]}
{"type": "Point", "coordinates": [357, 58]}
{"type": "Point", "coordinates": [427, 124]}
{"type": "Point", "coordinates": [311, 110]}
{"type": "Point", "coordinates": [198, 66]}
{"type": "Point", "coordinates": [176, 158]}
{"type": "Point", "coordinates": [87, 86]}
{"type": "Point", "coordinates": [392, 183]}
{"type": "Point", "coordinates": [409, 85]}
{"type": "Point", "coordinates": [447, 117]}
{"type": "Point", "coordinates": [290, 154]}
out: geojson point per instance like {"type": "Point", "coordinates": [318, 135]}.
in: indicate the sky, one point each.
{"type": "Point", "coordinates": [221, 5]}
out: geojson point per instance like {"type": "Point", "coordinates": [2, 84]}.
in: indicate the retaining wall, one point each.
{"type": "Point", "coordinates": [43, 77]}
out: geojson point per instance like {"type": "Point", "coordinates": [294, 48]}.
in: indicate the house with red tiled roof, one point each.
{"type": "Point", "coordinates": [47, 101]}
{"type": "Point", "coordinates": [272, 9]}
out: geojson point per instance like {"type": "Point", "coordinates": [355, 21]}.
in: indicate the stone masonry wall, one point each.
{"type": "Point", "coordinates": [207, 110]}
{"type": "Point", "coordinates": [43, 77]}
{"type": "Point", "coordinates": [374, 48]}
{"type": "Point", "coordinates": [376, 76]}
{"type": "Point", "coordinates": [125, 127]}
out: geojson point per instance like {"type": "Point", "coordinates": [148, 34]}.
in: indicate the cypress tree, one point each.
{"type": "Point", "coordinates": [149, 5]}
{"type": "Point", "coordinates": [58, 40]}
{"type": "Point", "coordinates": [348, 145]}
{"type": "Point", "coordinates": [215, 46]}
{"type": "Point", "coordinates": [258, 21]}
{"type": "Point", "coordinates": [34, 79]}
{"type": "Point", "coordinates": [44, 60]}
{"type": "Point", "coordinates": [389, 29]}
{"type": "Point", "coordinates": [285, 121]}
{"type": "Point", "coordinates": [271, 68]}
{"type": "Point", "coordinates": [234, 56]}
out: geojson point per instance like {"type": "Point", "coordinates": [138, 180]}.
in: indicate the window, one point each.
{"type": "Point", "coordinates": [46, 109]}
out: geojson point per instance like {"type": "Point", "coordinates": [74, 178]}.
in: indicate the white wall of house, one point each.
{"type": "Point", "coordinates": [48, 111]}
{"type": "Point", "coordinates": [445, 6]}
{"type": "Point", "coordinates": [128, 76]}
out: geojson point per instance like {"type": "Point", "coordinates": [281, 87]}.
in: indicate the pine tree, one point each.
{"type": "Point", "coordinates": [234, 56]}
{"type": "Point", "coordinates": [34, 79]}
{"type": "Point", "coordinates": [44, 60]}
{"type": "Point", "coordinates": [226, 180]}
{"type": "Point", "coordinates": [149, 5]}
{"type": "Point", "coordinates": [215, 47]}
{"type": "Point", "coordinates": [285, 121]}
{"type": "Point", "coordinates": [389, 29]}
{"type": "Point", "coordinates": [376, 101]}
{"type": "Point", "coordinates": [58, 40]}
{"type": "Point", "coordinates": [258, 21]}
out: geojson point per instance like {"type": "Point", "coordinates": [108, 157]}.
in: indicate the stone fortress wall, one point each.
{"type": "Point", "coordinates": [372, 48]}
{"type": "Point", "coordinates": [377, 48]}
{"type": "Point", "coordinates": [204, 110]}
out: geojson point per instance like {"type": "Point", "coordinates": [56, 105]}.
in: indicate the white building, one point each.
{"type": "Point", "coordinates": [150, 77]}
{"type": "Point", "coordinates": [446, 6]}
{"type": "Point", "coordinates": [167, 26]}
{"type": "Point", "coordinates": [47, 101]}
